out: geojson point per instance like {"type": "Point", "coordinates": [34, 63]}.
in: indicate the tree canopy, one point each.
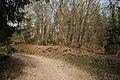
{"type": "Point", "coordinates": [10, 14]}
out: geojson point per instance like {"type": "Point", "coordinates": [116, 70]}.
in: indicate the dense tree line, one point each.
{"type": "Point", "coordinates": [76, 23]}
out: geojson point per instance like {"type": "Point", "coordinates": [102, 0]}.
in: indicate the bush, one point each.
{"type": "Point", "coordinates": [6, 51]}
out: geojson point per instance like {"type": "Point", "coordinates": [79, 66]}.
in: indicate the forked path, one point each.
{"type": "Point", "coordinates": [43, 68]}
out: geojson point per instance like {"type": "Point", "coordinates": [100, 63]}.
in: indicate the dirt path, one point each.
{"type": "Point", "coordinates": [42, 68]}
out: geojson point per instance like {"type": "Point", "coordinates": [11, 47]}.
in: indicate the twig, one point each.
{"type": "Point", "coordinates": [118, 53]}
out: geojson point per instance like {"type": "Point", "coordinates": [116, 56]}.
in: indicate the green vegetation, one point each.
{"type": "Point", "coordinates": [11, 14]}
{"type": "Point", "coordinates": [6, 51]}
{"type": "Point", "coordinates": [112, 45]}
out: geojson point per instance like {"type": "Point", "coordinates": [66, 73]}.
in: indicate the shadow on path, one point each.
{"type": "Point", "coordinates": [11, 68]}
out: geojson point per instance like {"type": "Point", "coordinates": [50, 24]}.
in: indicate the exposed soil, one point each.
{"type": "Point", "coordinates": [42, 68]}
{"type": "Point", "coordinates": [105, 67]}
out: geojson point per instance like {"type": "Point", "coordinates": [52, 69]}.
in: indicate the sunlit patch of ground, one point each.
{"type": "Point", "coordinates": [106, 67]}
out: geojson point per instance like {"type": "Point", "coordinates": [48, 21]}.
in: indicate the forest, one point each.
{"type": "Point", "coordinates": [91, 24]}
{"type": "Point", "coordinates": [58, 26]}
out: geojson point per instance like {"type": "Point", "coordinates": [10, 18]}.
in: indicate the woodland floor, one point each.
{"type": "Point", "coordinates": [42, 68]}
{"type": "Point", "coordinates": [58, 63]}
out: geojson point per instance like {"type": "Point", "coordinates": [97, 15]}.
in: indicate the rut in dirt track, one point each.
{"type": "Point", "coordinates": [43, 68]}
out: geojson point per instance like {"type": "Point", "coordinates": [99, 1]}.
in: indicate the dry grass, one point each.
{"type": "Point", "coordinates": [31, 48]}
